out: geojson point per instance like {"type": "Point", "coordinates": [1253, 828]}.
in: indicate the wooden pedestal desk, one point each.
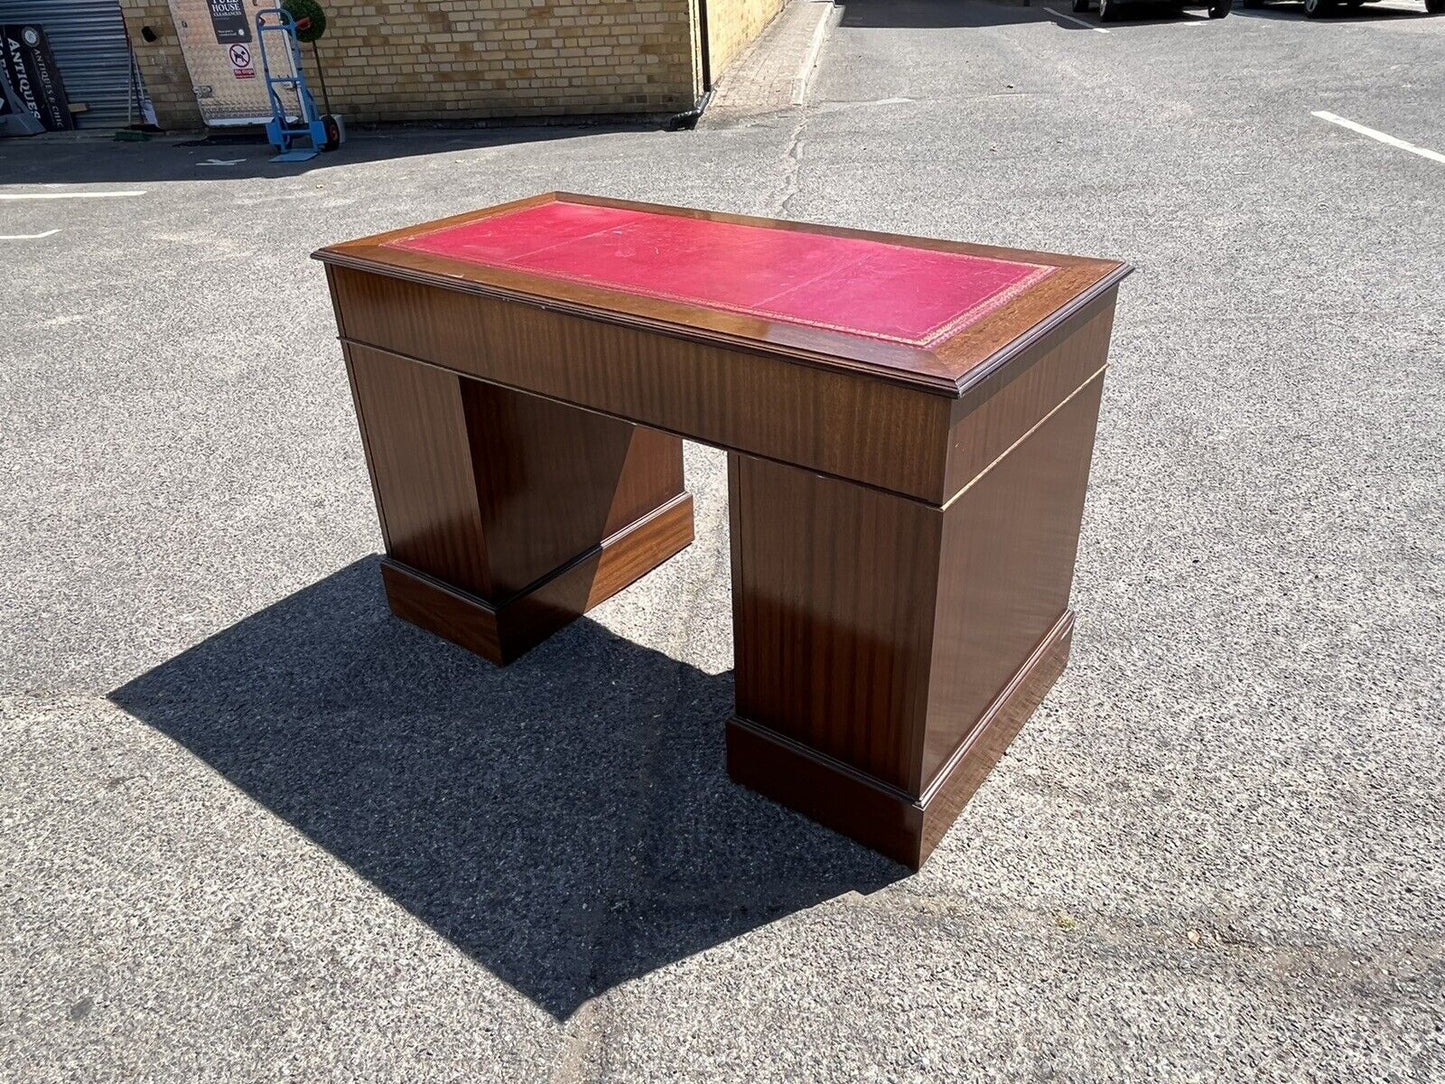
{"type": "Point", "coordinates": [908, 423]}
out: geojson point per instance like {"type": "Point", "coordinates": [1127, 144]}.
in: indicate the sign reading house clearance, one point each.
{"type": "Point", "coordinates": [228, 19]}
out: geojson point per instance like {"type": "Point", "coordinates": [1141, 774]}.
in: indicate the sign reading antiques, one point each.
{"type": "Point", "coordinates": [33, 75]}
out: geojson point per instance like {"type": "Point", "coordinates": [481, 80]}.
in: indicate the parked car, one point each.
{"type": "Point", "coordinates": [1318, 9]}
{"type": "Point", "coordinates": [1109, 10]}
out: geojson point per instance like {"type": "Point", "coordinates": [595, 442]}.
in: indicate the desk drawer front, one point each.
{"type": "Point", "coordinates": [853, 426]}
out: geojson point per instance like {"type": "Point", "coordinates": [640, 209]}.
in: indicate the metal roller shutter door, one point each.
{"type": "Point", "coordinates": [88, 40]}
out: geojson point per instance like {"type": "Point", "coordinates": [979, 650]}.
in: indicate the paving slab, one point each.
{"type": "Point", "coordinates": [774, 72]}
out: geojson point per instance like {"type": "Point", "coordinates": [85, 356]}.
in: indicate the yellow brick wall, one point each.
{"type": "Point", "coordinates": [401, 60]}
{"type": "Point", "coordinates": [161, 64]}
{"type": "Point", "coordinates": [732, 24]}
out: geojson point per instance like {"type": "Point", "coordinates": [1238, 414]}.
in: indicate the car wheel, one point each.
{"type": "Point", "coordinates": [1316, 9]}
{"type": "Point", "coordinates": [1081, 6]}
{"type": "Point", "coordinates": [1435, 7]}
{"type": "Point", "coordinates": [1220, 8]}
{"type": "Point", "coordinates": [1108, 10]}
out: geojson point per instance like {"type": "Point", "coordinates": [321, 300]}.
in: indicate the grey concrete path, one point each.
{"type": "Point", "coordinates": [254, 829]}
{"type": "Point", "coordinates": [775, 72]}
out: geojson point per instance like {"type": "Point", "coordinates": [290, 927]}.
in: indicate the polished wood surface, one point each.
{"type": "Point", "coordinates": [843, 424]}
{"type": "Point", "coordinates": [503, 632]}
{"type": "Point", "coordinates": [948, 367]}
{"type": "Point", "coordinates": [904, 521]}
{"type": "Point", "coordinates": [834, 587]}
{"type": "Point", "coordinates": [506, 515]}
{"type": "Point", "coordinates": [904, 826]}
{"type": "Point", "coordinates": [1006, 563]}
{"type": "Point", "coordinates": [1000, 411]}
{"type": "Point", "coordinates": [852, 607]}
{"type": "Point", "coordinates": [415, 432]}
{"type": "Point", "coordinates": [965, 771]}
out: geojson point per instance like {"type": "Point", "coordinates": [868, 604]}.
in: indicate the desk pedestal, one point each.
{"type": "Point", "coordinates": [888, 650]}
{"type": "Point", "coordinates": [506, 515]}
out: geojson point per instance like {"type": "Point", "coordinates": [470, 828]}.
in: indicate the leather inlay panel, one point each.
{"type": "Point", "coordinates": [899, 293]}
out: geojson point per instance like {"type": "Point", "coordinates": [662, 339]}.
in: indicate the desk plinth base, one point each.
{"type": "Point", "coordinates": [503, 632]}
{"type": "Point", "coordinates": [903, 827]}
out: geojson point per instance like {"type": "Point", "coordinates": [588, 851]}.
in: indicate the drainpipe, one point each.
{"type": "Point", "coordinates": [706, 49]}
{"type": "Point", "coordinates": [686, 121]}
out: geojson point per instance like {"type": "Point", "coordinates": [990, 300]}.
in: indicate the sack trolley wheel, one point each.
{"type": "Point", "coordinates": [331, 125]}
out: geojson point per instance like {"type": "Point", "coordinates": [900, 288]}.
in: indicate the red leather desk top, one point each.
{"type": "Point", "coordinates": [893, 292]}
{"type": "Point", "coordinates": [934, 315]}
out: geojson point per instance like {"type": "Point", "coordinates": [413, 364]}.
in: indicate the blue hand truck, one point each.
{"type": "Point", "coordinates": [324, 131]}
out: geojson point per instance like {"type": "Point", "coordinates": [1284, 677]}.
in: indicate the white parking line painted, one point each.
{"type": "Point", "coordinates": [69, 195]}
{"type": "Point", "coordinates": [1388, 140]}
{"type": "Point", "coordinates": [1077, 22]}
{"type": "Point", "coordinates": [26, 236]}
{"type": "Point", "coordinates": [810, 61]}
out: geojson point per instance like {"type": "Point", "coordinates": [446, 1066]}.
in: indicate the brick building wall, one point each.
{"type": "Point", "coordinates": [162, 67]}
{"type": "Point", "coordinates": [466, 59]}
{"type": "Point", "coordinates": [732, 24]}
{"type": "Point", "coordinates": [405, 60]}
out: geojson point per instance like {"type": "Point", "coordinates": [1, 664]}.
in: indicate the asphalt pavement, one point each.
{"type": "Point", "coordinates": [253, 828]}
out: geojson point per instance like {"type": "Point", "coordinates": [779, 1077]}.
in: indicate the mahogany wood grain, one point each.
{"type": "Point", "coordinates": [991, 417]}
{"type": "Point", "coordinates": [553, 480]}
{"type": "Point", "coordinates": [415, 428]}
{"type": "Point", "coordinates": [1006, 565]}
{"type": "Point", "coordinates": [905, 521]}
{"type": "Point", "coordinates": [833, 595]}
{"type": "Point", "coordinates": [840, 423]}
{"type": "Point", "coordinates": [946, 368]}
{"type": "Point", "coordinates": [986, 744]}
{"type": "Point", "coordinates": [492, 494]}
{"type": "Point", "coordinates": [440, 608]}
{"type": "Point", "coordinates": [853, 609]}
{"type": "Point", "coordinates": [902, 826]}
{"type": "Point", "coordinates": [879, 633]}
{"type": "Point", "coordinates": [503, 633]}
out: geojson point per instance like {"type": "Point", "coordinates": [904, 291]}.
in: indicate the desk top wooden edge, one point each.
{"type": "Point", "coordinates": [949, 366]}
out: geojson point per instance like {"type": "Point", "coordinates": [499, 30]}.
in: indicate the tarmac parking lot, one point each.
{"type": "Point", "coordinates": [252, 827]}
